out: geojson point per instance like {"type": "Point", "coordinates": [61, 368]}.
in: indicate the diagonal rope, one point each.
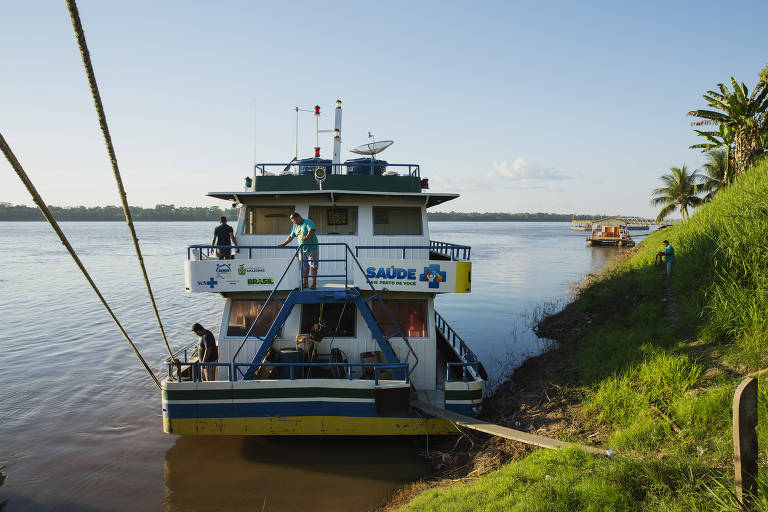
{"type": "Point", "coordinates": [78, 27]}
{"type": "Point", "coordinates": [47, 214]}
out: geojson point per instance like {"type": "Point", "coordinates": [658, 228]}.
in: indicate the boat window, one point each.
{"type": "Point", "coordinates": [267, 220]}
{"type": "Point", "coordinates": [244, 312]}
{"type": "Point", "coordinates": [410, 314]}
{"type": "Point", "coordinates": [388, 220]}
{"type": "Point", "coordinates": [332, 315]}
{"type": "Point", "coordinates": [331, 220]}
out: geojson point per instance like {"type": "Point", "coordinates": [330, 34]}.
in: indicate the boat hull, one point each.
{"type": "Point", "coordinates": [305, 407]}
{"type": "Point", "coordinates": [610, 242]}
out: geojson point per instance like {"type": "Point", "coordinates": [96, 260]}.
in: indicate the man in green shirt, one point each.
{"type": "Point", "coordinates": [669, 256]}
{"type": "Point", "coordinates": [304, 230]}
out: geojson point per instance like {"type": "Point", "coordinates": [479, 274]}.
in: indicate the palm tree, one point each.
{"type": "Point", "coordinates": [679, 192]}
{"type": "Point", "coordinates": [741, 121]}
{"type": "Point", "coordinates": [718, 173]}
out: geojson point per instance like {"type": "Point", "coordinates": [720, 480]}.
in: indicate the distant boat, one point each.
{"type": "Point", "coordinates": [610, 231]}
{"type": "Point", "coordinates": [581, 225]}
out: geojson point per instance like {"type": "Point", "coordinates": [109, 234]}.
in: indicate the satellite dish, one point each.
{"type": "Point", "coordinates": [372, 147]}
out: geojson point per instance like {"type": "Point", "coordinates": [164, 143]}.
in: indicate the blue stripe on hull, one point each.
{"type": "Point", "coordinates": [268, 409]}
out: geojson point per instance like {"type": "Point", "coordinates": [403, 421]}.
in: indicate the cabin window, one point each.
{"type": "Point", "coordinates": [396, 220]}
{"type": "Point", "coordinates": [410, 314]}
{"type": "Point", "coordinates": [267, 220]}
{"type": "Point", "coordinates": [331, 220]}
{"type": "Point", "coordinates": [332, 315]}
{"type": "Point", "coordinates": [244, 312]}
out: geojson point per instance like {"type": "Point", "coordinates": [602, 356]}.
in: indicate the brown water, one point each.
{"type": "Point", "coordinates": [80, 421]}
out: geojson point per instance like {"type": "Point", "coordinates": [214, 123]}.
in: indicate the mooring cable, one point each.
{"type": "Point", "coordinates": [81, 43]}
{"type": "Point", "coordinates": [49, 217]}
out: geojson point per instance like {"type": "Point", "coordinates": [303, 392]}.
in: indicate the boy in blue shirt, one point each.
{"type": "Point", "coordinates": [304, 230]}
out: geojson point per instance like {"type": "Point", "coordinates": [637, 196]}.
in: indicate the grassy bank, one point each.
{"type": "Point", "coordinates": [650, 366]}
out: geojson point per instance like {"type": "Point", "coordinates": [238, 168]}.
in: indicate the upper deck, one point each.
{"type": "Point", "coordinates": [372, 226]}
{"type": "Point", "coordinates": [297, 180]}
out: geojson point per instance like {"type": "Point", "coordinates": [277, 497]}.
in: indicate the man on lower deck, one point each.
{"type": "Point", "coordinates": [304, 230]}
{"type": "Point", "coordinates": [207, 351]}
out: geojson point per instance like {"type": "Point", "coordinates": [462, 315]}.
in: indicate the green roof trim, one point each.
{"type": "Point", "coordinates": [333, 182]}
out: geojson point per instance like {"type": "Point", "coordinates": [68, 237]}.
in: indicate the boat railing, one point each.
{"type": "Point", "coordinates": [196, 369]}
{"type": "Point", "coordinates": [184, 351]}
{"type": "Point", "coordinates": [197, 249]}
{"type": "Point", "coordinates": [373, 168]}
{"type": "Point", "coordinates": [455, 252]}
{"type": "Point", "coordinates": [454, 339]}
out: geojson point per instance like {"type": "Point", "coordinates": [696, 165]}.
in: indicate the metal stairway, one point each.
{"type": "Point", "coordinates": [301, 295]}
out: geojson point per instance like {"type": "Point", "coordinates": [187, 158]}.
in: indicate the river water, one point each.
{"type": "Point", "coordinates": [80, 420]}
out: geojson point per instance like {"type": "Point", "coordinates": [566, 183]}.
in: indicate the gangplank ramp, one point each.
{"type": "Point", "coordinates": [498, 430]}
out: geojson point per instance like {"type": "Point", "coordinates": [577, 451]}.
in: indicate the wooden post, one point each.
{"type": "Point", "coordinates": [745, 441]}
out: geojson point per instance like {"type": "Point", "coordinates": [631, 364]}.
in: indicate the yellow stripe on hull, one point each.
{"type": "Point", "coordinates": [309, 426]}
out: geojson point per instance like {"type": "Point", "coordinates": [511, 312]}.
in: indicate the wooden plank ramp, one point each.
{"type": "Point", "coordinates": [498, 430]}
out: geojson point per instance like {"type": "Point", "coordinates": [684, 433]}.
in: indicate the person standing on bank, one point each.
{"type": "Point", "coordinates": [669, 256]}
{"type": "Point", "coordinates": [304, 230]}
{"type": "Point", "coordinates": [207, 351]}
{"type": "Point", "coordinates": [223, 233]}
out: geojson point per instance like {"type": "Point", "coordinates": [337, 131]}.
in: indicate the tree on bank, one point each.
{"type": "Point", "coordinates": [718, 173]}
{"type": "Point", "coordinates": [680, 191]}
{"type": "Point", "coordinates": [740, 117]}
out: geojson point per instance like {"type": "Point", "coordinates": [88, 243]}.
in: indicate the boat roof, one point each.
{"type": "Point", "coordinates": [429, 199]}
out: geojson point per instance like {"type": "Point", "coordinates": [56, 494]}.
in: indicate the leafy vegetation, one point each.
{"type": "Point", "coordinates": [740, 117]}
{"type": "Point", "coordinates": [718, 173]}
{"type": "Point", "coordinates": [739, 139]}
{"type": "Point", "coordinates": [680, 191]}
{"type": "Point", "coordinates": [656, 371]}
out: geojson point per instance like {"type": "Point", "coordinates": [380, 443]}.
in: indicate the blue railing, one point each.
{"type": "Point", "coordinates": [452, 251]}
{"type": "Point", "coordinates": [197, 366]}
{"type": "Point", "coordinates": [455, 340]}
{"type": "Point", "coordinates": [295, 168]}
{"type": "Point", "coordinates": [236, 248]}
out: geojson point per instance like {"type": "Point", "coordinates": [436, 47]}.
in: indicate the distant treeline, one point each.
{"type": "Point", "coordinates": [169, 212]}
{"type": "Point", "coordinates": [161, 212]}
{"type": "Point", "coordinates": [506, 217]}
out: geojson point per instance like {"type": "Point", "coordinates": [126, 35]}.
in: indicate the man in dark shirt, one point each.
{"type": "Point", "coordinates": [207, 351]}
{"type": "Point", "coordinates": [223, 233]}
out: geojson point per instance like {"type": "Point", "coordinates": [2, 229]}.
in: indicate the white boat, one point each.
{"type": "Point", "coordinates": [379, 342]}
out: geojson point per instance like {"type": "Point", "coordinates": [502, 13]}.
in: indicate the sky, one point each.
{"type": "Point", "coordinates": [561, 106]}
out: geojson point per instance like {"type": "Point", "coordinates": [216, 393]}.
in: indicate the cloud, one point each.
{"type": "Point", "coordinates": [523, 171]}
{"type": "Point", "coordinates": [520, 174]}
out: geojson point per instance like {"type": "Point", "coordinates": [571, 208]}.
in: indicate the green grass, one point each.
{"type": "Point", "coordinates": [641, 357]}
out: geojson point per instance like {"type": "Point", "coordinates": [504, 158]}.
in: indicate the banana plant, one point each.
{"type": "Point", "coordinates": [740, 117]}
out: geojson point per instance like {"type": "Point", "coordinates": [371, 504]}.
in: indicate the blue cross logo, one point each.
{"type": "Point", "coordinates": [211, 282]}
{"type": "Point", "coordinates": [433, 275]}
